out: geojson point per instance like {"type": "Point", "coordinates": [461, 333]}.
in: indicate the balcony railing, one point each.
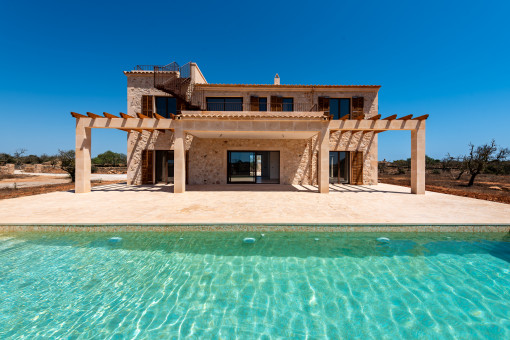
{"type": "Point", "coordinates": [273, 107]}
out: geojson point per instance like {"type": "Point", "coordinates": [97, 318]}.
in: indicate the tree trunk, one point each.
{"type": "Point", "coordinates": [472, 179]}
{"type": "Point", "coordinates": [460, 175]}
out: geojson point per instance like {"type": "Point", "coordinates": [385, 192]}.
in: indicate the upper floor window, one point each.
{"type": "Point", "coordinates": [258, 103]}
{"type": "Point", "coordinates": [166, 106]}
{"type": "Point", "coordinates": [224, 103]}
{"type": "Point", "coordinates": [336, 107]}
{"type": "Point", "coordinates": [282, 103]}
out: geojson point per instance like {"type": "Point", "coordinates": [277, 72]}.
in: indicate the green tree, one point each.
{"type": "Point", "coordinates": [110, 158]}
{"type": "Point", "coordinates": [481, 156]}
{"type": "Point", "coordinates": [67, 162]}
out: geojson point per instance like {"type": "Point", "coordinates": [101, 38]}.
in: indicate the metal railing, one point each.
{"type": "Point", "coordinates": [271, 107]}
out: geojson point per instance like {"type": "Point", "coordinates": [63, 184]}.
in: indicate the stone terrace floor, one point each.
{"type": "Point", "coordinates": [119, 203]}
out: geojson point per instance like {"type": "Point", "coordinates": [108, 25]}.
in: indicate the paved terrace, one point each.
{"type": "Point", "coordinates": [119, 203]}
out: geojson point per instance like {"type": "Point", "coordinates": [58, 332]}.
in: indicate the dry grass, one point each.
{"type": "Point", "coordinates": [445, 184]}
{"type": "Point", "coordinates": [44, 189]}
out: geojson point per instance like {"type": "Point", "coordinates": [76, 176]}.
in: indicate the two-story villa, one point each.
{"type": "Point", "coordinates": [183, 130]}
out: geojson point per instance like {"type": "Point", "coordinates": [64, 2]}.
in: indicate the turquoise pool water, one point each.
{"type": "Point", "coordinates": [212, 285]}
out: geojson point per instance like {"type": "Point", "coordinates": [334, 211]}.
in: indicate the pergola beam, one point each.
{"type": "Point", "coordinates": [406, 117]}
{"type": "Point", "coordinates": [424, 117]}
{"type": "Point", "coordinates": [93, 115]}
{"type": "Point", "coordinates": [392, 117]}
{"type": "Point", "coordinates": [107, 115]}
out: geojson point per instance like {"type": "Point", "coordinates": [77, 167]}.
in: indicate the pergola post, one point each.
{"type": "Point", "coordinates": [82, 160]}
{"type": "Point", "coordinates": [418, 159]}
{"type": "Point", "coordinates": [179, 161]}
{"type": "Point", "coordinates": [323, 161]}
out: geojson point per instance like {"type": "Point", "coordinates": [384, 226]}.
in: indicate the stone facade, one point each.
{"type": "Point", "coordinates": [207, 157]}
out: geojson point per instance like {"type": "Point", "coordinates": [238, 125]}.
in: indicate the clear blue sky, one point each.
{"type": "Point", "coordinates": [449, 59]}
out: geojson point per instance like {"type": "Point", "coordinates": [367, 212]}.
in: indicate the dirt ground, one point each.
{"type": "Point", "coordinates": [494, 188]}
{"type": "Point", "coordinates": [44, 189]}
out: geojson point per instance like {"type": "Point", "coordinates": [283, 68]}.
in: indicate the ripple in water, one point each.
{"type": "Point", "coordinates": [298, 285]}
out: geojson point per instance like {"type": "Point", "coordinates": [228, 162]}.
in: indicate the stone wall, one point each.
{"type": "Point", "coordinates": [208, 159]}
{"type": "Point", "coordinates": [7, 169]}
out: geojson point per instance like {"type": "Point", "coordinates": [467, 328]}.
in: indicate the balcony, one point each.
{"type": "Point", "coordinates": [257, 107]}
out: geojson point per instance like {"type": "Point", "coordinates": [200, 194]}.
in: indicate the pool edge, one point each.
{"type": "Point", "coordinates": [307, 227]}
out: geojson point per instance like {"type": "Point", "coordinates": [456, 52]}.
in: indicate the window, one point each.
{"type": "Point", "coordinates": [288, 104]}
{"type": "Point", "coordinates": [224, 103]}
{"type": "Point", "coordinates": [337, 107]}
{"type": "Point", "coordinates": [166, 106]}
{"type": "Point", "coordinates": [147, 106]}
{"type": "Point", "coordinates": [258, 103]}
{"type": "Point", "coordinates": [262, 104]}
{"type": "Point", "coordinates": [282, 104]}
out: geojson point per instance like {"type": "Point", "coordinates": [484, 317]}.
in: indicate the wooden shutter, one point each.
{"type": "Point", "coordinates": [147, 106]}
{"type": "Point", "coordinates": [357, 108]}
{"type": "Point", "coordinates": [276, 103]}
{"type": "Point", "coordinates": [254, 103]}
{"type": "Point", "coordinates": [147, 168]}
{"type": "Point", "coordinates": [357, 167]}
{"type": "Point", "coordinates": [324, 104]}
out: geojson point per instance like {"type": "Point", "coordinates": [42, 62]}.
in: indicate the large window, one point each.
{"type": "Point", "coordinates": [282, 103]}
{"type": "Point", "coordinates": [224, 103]}
{"type": "Point", "coordinates": [166, 106]}
{"type": "Point", "coordinates": [339, 107]}
{"type": "Point", "coordinates": [288, 104]}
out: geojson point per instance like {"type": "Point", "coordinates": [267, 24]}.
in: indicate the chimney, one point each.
{"type": "Point", "coordinates": [277, 79]}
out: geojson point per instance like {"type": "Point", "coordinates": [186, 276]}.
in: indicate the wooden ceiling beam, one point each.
{"type": "Point", "coordinates": [77, 115]}
{"type": "Point", "coordinates": [406, 117]}
{"type": "Point", "coordinates": [421, 117]}
{"type": "Point", "coordinates": [141, 116]}
{"type": "Point", "coordinates": [392, 117]}
{"type": "Point", "coordinates": [107, 115]}
{"type": "Point", "coordinates": [158, 116]}
{"type": "Point", "coordinates": [93, 115]}
{"type": "Point", "coordinates": [345, 117]}
{"type": "Point", "coordinates": [375, 117]}
{"type": "Point", "coordinates": [123, 115]}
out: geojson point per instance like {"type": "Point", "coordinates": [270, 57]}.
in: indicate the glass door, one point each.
{"type": "Point", "coordinates": [338, 166]}
{"type": "Point", "coordinates": [242, 167]}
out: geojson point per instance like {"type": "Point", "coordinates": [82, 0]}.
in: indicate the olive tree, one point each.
{"type": "Point", "coordinates": [481, 156]}
{"type": "Point", "coordinates": [67, 162]}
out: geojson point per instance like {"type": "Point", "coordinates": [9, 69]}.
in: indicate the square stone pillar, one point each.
{"type": "Point", "coordinates": [418, 159]}
{"type": "Point", "coordinates": [82, 158]}
{"type": "Point", "coordinates": [179, 161]}
{"type": "Point", "coordinates": [323, 161]}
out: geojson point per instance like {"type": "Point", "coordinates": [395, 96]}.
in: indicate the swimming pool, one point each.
{"type": "Point", "coordinates": [212, 284]}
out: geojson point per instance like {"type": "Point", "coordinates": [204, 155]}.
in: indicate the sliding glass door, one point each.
{"type": "Point", "coordinates": [253, 167]}
{"type": "Point", "coordinates": [338, 167]}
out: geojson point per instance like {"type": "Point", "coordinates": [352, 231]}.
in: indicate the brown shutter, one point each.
{"type": "Point", "coordinates": [147, 106]}
{"type": "Point", "coordinates": [324, 104]}
{"type": "Point", "coordinates": [254, 103]}
{"type": "Point", "coordinates": [147, 168]}
{"type": "Point", "coordinates": [357, 108]}
{"type": "Point", "coordinates": [357, 168]}
{"type": "Point", "coordinates": [276, 103]}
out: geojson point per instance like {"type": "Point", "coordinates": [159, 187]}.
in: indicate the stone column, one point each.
{"type": "Point", "coordinates": [418, 159]}
{"type": "Point", "coordinates": [323, 161]}
{"type": "Point", "coordinates": [179, 161]}
{"type": "Point", "coordinates": [82, 158]}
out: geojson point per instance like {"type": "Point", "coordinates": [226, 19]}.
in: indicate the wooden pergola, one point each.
{"type": "Point", "coordinates": [247, 122]}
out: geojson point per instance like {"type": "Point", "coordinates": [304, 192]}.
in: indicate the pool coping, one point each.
{"type": "Point", "coordinates": [308, 227]}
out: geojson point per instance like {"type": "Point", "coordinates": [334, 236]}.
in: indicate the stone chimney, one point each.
{"type": "Point", "coordinates": [277, 79]}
